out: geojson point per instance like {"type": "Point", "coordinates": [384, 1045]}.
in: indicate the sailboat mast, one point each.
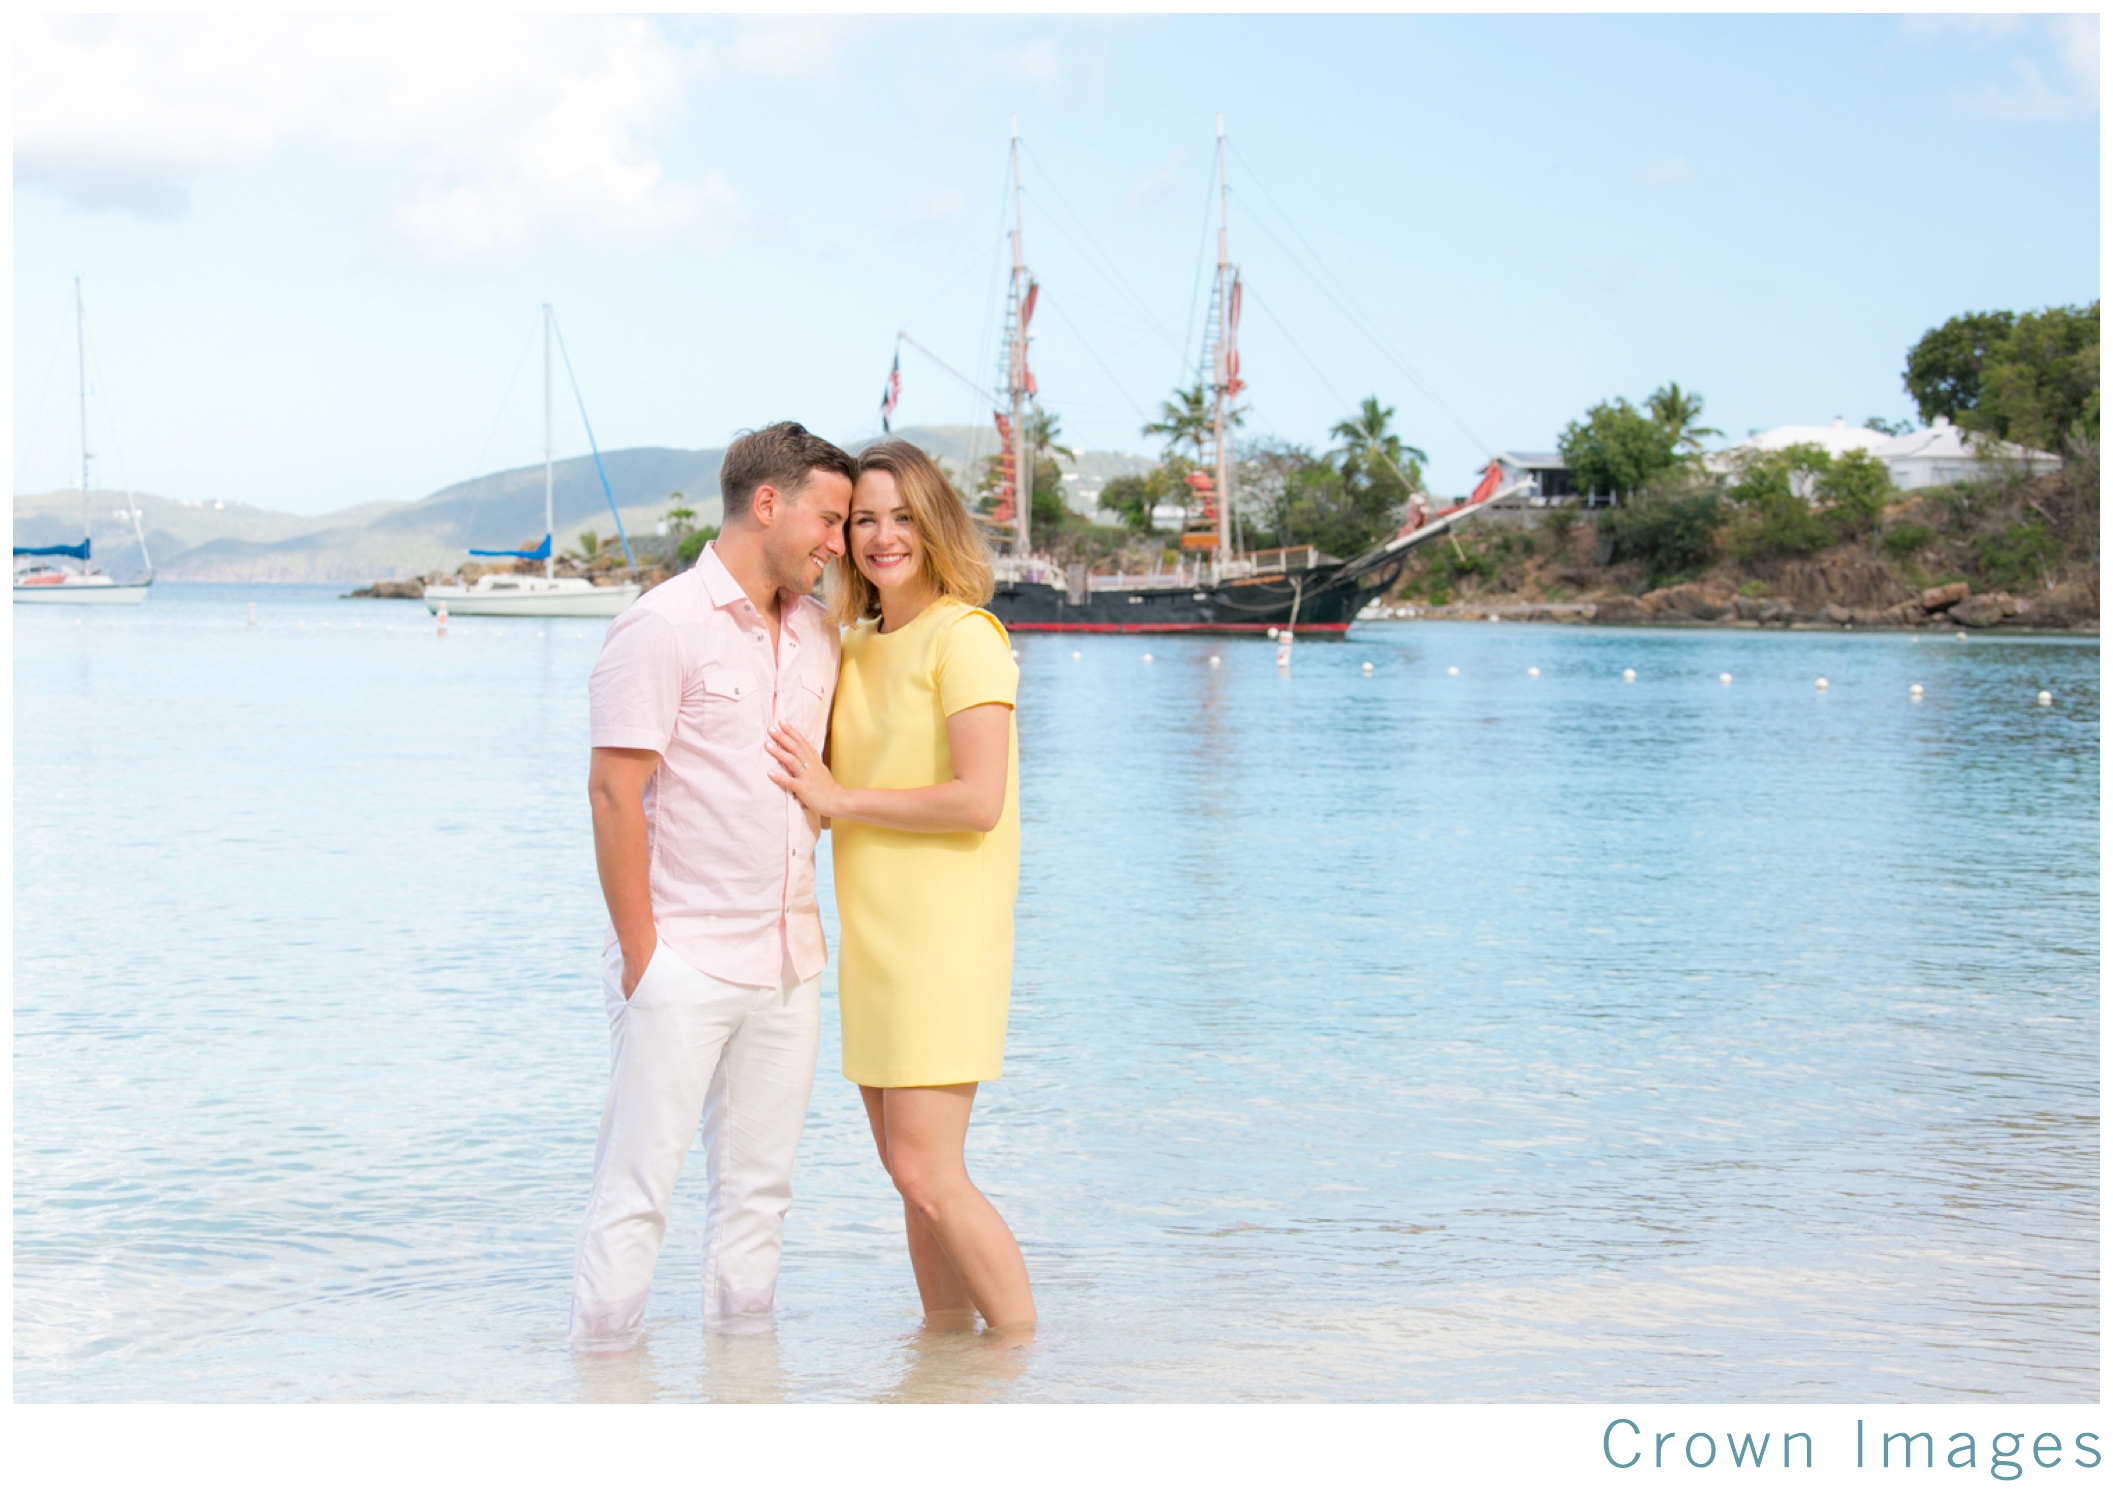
{"type": "Point", "coordinates": [1220, 365]}
{"type": "Point", "coordinates": [1016, 368]}
{"type": "Point", "coordinates": [80, 360]}
{"type": "Point", "coordinates": [550, 563]}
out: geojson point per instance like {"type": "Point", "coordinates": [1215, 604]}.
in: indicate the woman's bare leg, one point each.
{"type": "Point", "coordinates": [923, 1129]}
{"type": "Point", "coordinates": [939, 1284]}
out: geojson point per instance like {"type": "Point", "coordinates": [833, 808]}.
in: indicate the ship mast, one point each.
{"type": "Point", "coordinates": [550, 563]}
{"type": "Point", "coordinates": [1225, 364]}
{"type": "Point", "coordinates": [80, 356]}
{"type": "Point", "coordinates": [1019, 382]}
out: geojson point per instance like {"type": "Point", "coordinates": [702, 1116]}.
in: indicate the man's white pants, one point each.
{"type": "Point", "coordinates": [687, 1046]}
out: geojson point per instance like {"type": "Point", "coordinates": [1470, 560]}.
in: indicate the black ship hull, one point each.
{"type": "Point", "coordinates": [1323, 600]}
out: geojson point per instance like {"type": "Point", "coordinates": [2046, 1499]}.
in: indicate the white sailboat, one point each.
{"type": "Point", "coordinates": [512, 594]}
{"type": "Point", "coordinates": [70, 579]}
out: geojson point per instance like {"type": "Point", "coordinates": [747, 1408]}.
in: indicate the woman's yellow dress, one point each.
{"type": "Point", "coordinates": [924, 970]}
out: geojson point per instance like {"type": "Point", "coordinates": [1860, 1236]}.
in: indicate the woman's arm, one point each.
{"type": "Point", "coordinates": [978, 739]}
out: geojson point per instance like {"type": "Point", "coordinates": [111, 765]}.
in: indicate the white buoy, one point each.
{"type": "Point", "coordinates": [1272, 634]}
{"type": "Point", "coordinates": [1962, 637]}
{"type": "Point", "coordinates": [542, 634]}
{"type": "Point", "coordinates": [1452, 673]}
{"type": "Point", "coordinates": [253, 613]}
{"type": "Point", "coordinates": [579, 637]}
{"type": "Point", "coordinates": [1016, 655]}
{"type": "Point", "coordinates": [1913, 640]}
{"type": "Point", "coordinates": [2046, 697]}
{"type": "Point", "coordinates": [442, 618]}
{"type": "Point", "coordinates": [1368, 668]}
{"type": "Point", "coordinates": [1629, 674]}
{"type": "Point", "coordinates": [1724, 678]}
{"type": "Point", "coordinates": [1283, 648]}
{"type": "Point", "coordinates": [1533, 673]}
{"type": "Point", "coordinates": [389, 628]}
{"type": "Point", "coordinates": [1076, 655]}
{"type": "Point", "coordinates": [1494, 617]}
{"type": "Point", "coordinates": [1214, 659]}
{"type": "Point", "coordinates": [1915, 691]}
{"type": "Point", "coordinates": [1148, 657]}
{"type": "Point", "coordinates": [1819, 683]}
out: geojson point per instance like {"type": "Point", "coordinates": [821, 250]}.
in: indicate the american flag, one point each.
{"type": "Point", "coordinates": [893, 395]}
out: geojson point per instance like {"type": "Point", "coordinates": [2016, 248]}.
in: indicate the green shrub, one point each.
{"type": "Point", "coordinates": [692, 545]}
{"type": "Point", "coordinates": [1666, 536]}
{"type": "Point", "coordinates": [2018, 558]}
{"type": "Point", "coordinates": [1905, 539]}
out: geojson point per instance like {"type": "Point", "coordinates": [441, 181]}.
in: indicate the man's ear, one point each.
{"type": "Point", "coordinates": [764, 505]}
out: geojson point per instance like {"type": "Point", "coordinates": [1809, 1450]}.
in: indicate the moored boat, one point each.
{"type": "Point", "coordinates": [72, 578]}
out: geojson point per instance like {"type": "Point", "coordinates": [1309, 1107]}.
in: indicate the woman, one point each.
{"type": "Point", "coordinates": [920, 790]}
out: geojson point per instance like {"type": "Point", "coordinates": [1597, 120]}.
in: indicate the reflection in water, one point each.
{"type": "Point", "coordinates": [615, 1375]}
{"type": "Point", "coordinates": [742, 1365]}
{"type": "Point", "coordinates": [949, 1363]}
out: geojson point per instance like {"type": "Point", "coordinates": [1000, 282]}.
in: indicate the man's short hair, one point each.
{"type": "Point", "coordinates": [782, 455]}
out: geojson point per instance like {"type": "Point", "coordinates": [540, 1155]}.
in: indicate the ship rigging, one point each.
{"type": "Point", "coordinates": [1217, 587]}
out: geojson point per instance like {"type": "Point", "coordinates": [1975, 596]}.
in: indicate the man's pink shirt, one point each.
{"type": "Point", "coordinates": [689, 673]}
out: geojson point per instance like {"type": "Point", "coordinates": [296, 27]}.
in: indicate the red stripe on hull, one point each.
{"type": "Point", "coordinates": [1215, 628]}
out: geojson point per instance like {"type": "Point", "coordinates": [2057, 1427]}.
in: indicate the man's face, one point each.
{"type": "Point", "coordinates": [805, 528]}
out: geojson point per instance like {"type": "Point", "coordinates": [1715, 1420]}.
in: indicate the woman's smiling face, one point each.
{"type": "Point", "coordinates": [883, 536]}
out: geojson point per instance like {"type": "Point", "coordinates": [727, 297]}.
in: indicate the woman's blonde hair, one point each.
{"type": "Point", "coordinates": [956, 559]}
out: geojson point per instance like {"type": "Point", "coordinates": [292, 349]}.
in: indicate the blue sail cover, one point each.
{"type": "Point", "coordinates": [80, 550]}
{"type": "Point", "coordinates": [540, 551]}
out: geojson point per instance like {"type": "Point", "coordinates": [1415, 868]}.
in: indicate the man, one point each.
{"type": "Point", "coordinates": [711, 972]}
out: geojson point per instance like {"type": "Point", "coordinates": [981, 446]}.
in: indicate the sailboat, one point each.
{"type": "Point", "coordinates": [61, 583]}
{"type": "Point", "coordinates": [1216, 588]}
{"type": "Point", "coordinates": [512, 594]}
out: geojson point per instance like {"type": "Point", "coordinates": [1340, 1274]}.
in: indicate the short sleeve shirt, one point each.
{"type": "Point", "coordinates": [689, 673]}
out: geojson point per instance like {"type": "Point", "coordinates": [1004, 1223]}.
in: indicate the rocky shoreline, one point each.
{"type": "Point", "coordinates": [414, 588]}
{"type": "Point", "coordinates": [2065, 608]}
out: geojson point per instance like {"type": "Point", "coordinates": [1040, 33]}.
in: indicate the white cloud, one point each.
{"type": "Point", "coordinates": [1039, 62]}
{"type": "Point", "coordinates": [507, 132]}
{"type": "Point", "coordinates": [1670, 170]}
{"type": "Point", "coordinates": [920, 213]}
{"type": "Point", "coordinates": [1151, 189]}
{"type": "Point", "coordinates": [807, 49]}
{"type": "Point", "coordinates": [2068, 51]}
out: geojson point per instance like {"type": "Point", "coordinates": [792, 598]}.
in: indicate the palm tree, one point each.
{"type": "Point", "coordinates": [1185, 420]}
{"type": "Point", "coordinates": [1368, 436]}
{"type": "Point", "coordinates": [1042, 430]}
{"type": "Point", "coordinates": [1679, 414]}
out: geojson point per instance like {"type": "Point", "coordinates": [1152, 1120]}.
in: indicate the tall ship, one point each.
{"type": "Point", "coordinates": [1216, 587]}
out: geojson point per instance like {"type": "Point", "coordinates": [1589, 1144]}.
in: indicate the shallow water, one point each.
{"type": "Point", "coordinates": [1412, 1036]}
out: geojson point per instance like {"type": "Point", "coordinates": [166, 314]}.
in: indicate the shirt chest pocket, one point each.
{"type": "Point", "coordinates": [813, 703]}
{"type": "Point", "coordinates": [727, 699]}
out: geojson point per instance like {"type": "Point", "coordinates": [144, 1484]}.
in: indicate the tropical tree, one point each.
{"type": "Point", "coordinates": [2040, 382]}
{"type": "Point", "coordinates": [1679, 413]}
{"type": "Point", "coordinates": [1618, 449]}
{"type": "Point", "coordinates": [680, 515]}
{"type": "Point", "coordinates": [1943, 374]}
{"type": "Point", "coordinates": [1372, 453]}
{"type": "Point", "coordinates": [1184, 420]}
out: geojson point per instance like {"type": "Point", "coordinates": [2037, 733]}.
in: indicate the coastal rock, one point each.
{"type": "Point", "coordinates": [1937, 597]}
{"type": "Point", "coordinates": [390, 590]}
{"type": "Point", "coordinates": [1619, 610]}
{"type": "Point", "coordinates": [1980, 610]}
{"type": "Point", "coordinates": [1698, 601]}
{"type": "Point", "coordinates": [1814, 584]}
{"type": "Point", "coordinates": [1841, 616]}
{"type": "Point", "coordinates": [2063, 606]}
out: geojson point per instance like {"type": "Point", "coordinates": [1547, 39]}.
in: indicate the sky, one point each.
{"type": "Point", "coordinates": [313, 250]}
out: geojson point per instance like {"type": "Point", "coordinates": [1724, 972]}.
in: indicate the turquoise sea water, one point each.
{"type": "Point", "coordinates": [1408, 1036]}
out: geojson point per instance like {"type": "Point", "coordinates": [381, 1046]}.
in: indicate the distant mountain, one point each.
{"type": "Point", "coordinates": [382, 540]}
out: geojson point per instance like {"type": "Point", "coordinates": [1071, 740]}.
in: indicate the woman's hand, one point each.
{"type": "Point", "coordinates": [801, 771]}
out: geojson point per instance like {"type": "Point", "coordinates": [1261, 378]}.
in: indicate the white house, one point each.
{"type": "Point", "coordinates": [1837, 438]}
{"type": "Point", "coordinates": [1547, 477]}
{"type": "Point", "coordinates": [1942, 453]}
